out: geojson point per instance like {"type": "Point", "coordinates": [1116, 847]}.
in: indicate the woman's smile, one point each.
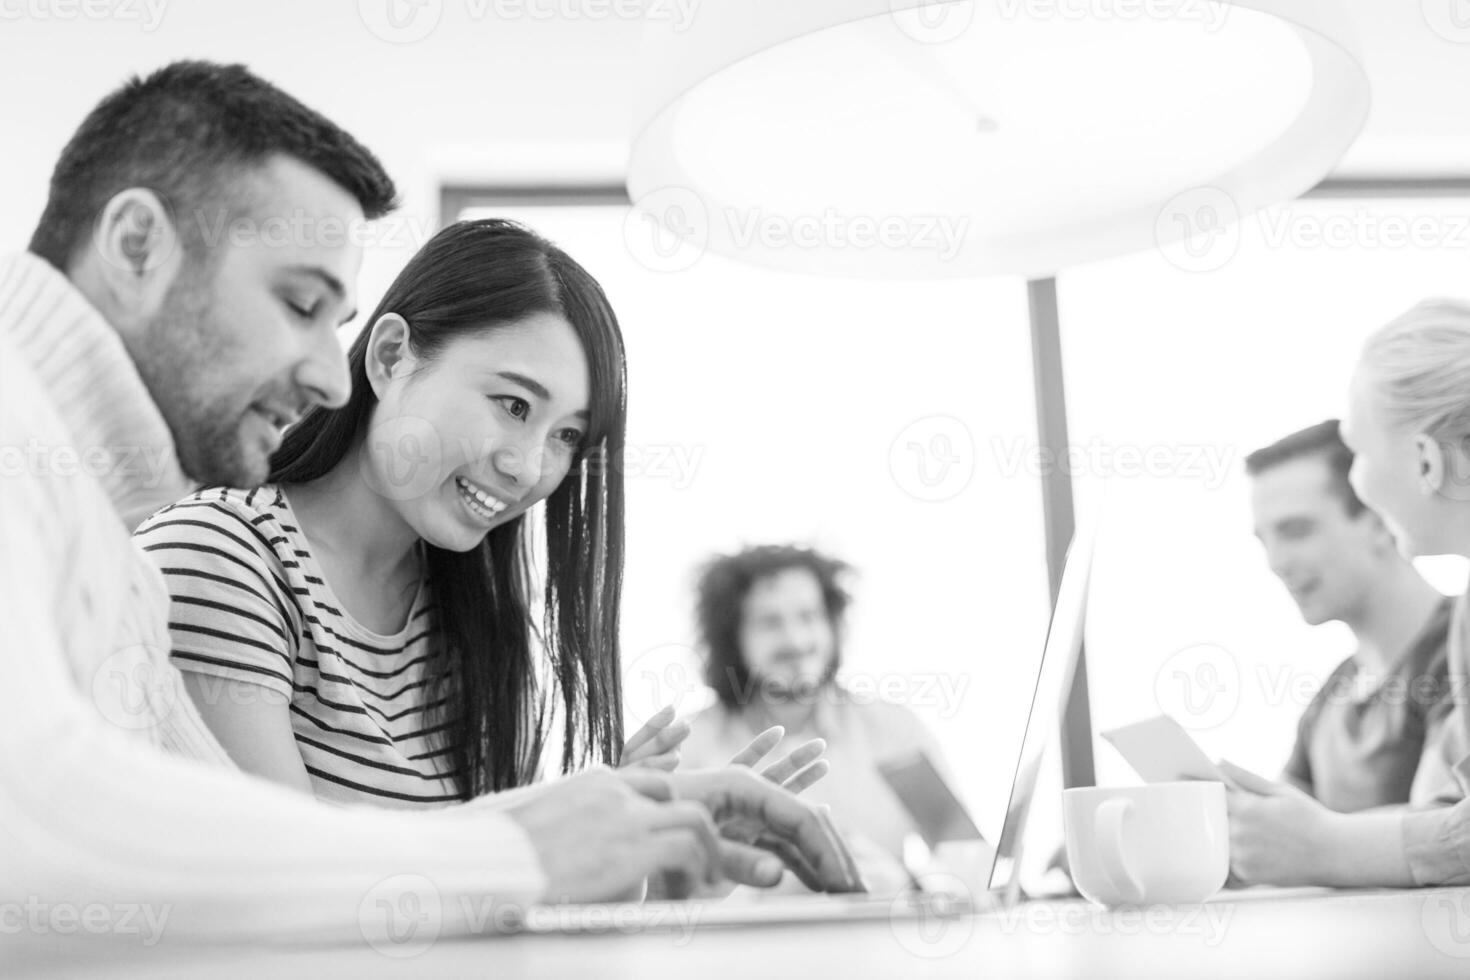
{"type": "Point", "coordinates": [478, 501]}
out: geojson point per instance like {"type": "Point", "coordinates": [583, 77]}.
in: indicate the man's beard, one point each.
{"type": "Point", "coordinates": [178, 357]}
{"type": "Point", "coordinates": [799, 688]}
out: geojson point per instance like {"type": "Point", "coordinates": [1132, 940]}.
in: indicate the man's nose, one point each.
{"type": "Point", "coordinates": [1280, 560]}
{"type": "Point", "coordinates": [323, 374]}
{"type": "Point", "coordinates": [797, 636]}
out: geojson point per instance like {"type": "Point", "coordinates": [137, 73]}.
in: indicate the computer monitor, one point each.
{"type": "Point", "coordinates": [1059, 658]}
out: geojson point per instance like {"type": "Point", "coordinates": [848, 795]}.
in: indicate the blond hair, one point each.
{"type": "Point", "coordinates": [1419, 367]}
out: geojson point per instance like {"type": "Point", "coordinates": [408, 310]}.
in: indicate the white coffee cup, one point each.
{"type": "Point", "coordinates": [1164, 843]}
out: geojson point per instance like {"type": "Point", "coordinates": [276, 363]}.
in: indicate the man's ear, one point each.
{"type": "Point", "coordinates": [136, 254]}
{"type": "Point", "coordinates": [389, 353]}
{"type": "Point", "coordinates": [1432, 464]}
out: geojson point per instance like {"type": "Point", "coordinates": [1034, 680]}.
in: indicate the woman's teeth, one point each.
{"type": "Point", "coordinates": [478, 500]}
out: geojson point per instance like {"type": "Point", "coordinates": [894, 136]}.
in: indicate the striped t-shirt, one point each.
{"type": "Point", "coordinates": [251, 604]}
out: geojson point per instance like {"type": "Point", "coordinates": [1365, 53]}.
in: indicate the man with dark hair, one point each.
{"type": "Point", "coordinates": [240, 208]}
{"type": "Point", "coordinates": [194, 132]}
{"type": "Point", "coordinates": [1360, 740]}
{"type": "Point", "coordinates": [136, 328]}
{"type": "Point", "coordinates": [771, 620]}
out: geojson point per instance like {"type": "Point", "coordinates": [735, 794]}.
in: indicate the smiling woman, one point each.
{"type": "Point", "coordinates": [362, 626]}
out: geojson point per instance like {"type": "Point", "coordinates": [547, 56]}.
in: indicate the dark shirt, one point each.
{"type": "Point", "coordinates": [1356, 750]}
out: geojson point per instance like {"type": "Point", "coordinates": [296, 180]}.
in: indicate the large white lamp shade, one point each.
{"type": "Point", "coordinates": [941, 138]}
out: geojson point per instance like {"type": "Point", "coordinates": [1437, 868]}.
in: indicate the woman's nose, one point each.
{"type": "Point", "coordinates": [520, 463]}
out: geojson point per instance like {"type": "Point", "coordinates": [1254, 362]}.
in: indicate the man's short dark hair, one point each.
{"type": "Point", "coordinates": [1324, 441]}
{"type": "Point", "coordinates": [187, 132]}
{"type": "Point", "coordinates": [723, 586]}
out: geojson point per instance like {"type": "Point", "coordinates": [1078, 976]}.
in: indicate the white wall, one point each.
{"type": "Point", "coordinates": [473, 85]}
{"type": "Point", "coordinates": [480, 80]}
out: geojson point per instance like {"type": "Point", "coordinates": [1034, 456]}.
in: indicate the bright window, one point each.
{"type": "Point", "coordinates": [1177, 370]}
{"type": "Point", "coordinates": [874, 420]}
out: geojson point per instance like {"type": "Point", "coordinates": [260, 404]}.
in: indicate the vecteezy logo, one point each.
{"type": "Point", "coordinates": [1446, 921]}
{"type": "Point", "coordinates": [134, 688]}
{"type": "Point", "coordinates": [1199, 686]}
{"type": "Point", "coordinates": [1199, 230]}
{"type": "Point", "coordinates": [1454, 481]}
{"type": "Point", "coordinates": [667, 230]}
{"type": "Point", "coordinates": [932, 21]}
{"type": "Point", "coordinates": [932, 931]}
{"type": "Point", "coordinates": [401, 916]}
{"type": "Point", "coordinates": [400, 21]}
{"type": "Point", "coordinates": [145, 244]}
{"type": "Point", "coordinates": [1450, 19]}
{"type": "Point", "coordinates": [661, 675]}
{"type": "Point", "coordinates": [404, 458]}
{"type": "Point", "coordinates": [933, 458]}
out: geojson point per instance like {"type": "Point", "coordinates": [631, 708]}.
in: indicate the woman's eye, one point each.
{"type": "Point", "coordinates": [518, 408]}
{"type": "Point", "coordinates": [306, 313]}
{"type": "Point", "coordinates": [571, 437]}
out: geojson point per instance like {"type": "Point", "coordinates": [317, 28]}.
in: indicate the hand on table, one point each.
{"type": "Point", "coordinates": [599, 836]}
{"type": "Point", "coordinates": [758, 823]}
{"type": "Point", "coordinates": [1278, 834]}
{"type": "Point", "coordinates": [796, 771]}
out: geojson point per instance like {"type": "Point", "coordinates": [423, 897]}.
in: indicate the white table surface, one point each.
{"type": "Point", "coordinates": [1377, 934]}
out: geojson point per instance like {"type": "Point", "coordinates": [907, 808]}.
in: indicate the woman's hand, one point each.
{"type": "Point", "coordinates": [802, 767]}
{"type": "Point", "coordinates": [761, 827]}
{"type": "Point", "coordinates": [656, 744]}
{"type": "Point", "coordinates": [1278, 834]}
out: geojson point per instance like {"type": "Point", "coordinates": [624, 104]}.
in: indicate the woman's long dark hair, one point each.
{"type": "Point", "coordinates": [472, 276]}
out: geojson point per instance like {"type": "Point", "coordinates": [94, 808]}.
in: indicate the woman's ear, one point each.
{"type": "Point", "coordinates": [389, 353]}
{"type": "Point", "coordinates": [1432, 472]}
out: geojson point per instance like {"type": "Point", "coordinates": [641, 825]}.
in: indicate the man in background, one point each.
{"type": "Point", "coordinates": [771, 623]}
{"type": "Point", "coordinates": [1360, 740]}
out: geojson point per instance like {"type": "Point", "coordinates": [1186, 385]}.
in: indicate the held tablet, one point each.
{"type": "Point", "coordinates": [1162, 751]}
{"type": "Point", "coordinates": [938, 813]}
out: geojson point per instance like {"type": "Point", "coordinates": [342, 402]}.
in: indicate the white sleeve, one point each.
{"type": "Point", "coordinates": [92, 815]}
